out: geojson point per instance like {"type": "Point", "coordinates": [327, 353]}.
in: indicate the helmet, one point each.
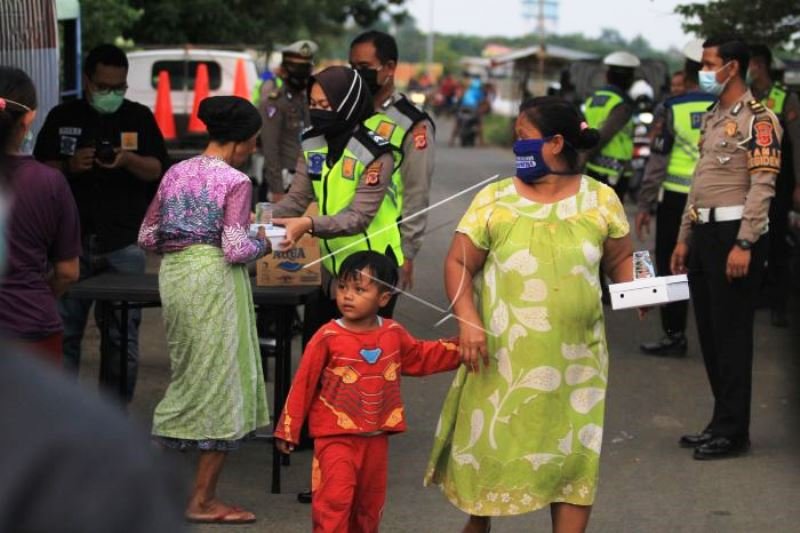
{"type": "Point", "coordinates": [694, 50]}
{"type": "Point", "coordinates": [621, 59]}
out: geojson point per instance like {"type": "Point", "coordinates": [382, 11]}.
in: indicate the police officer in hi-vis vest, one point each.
{"type": "Point", "coordinates": [722, 242]}
{"type": "Point", "coordinates": [409, 129]}
{"type": "Point", "coordinates": [668, 175]}
{"type": "Point", "coordinates": [348, 170]}
{"type": "Point", "coordinates": [786, 106]}
{"type": "Point", "coordinates": [610, 111]}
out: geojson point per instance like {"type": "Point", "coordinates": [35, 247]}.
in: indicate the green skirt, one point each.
{"type": "Point", "coordinates": [216, 393]}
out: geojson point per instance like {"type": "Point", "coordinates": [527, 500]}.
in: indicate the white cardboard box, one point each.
{"type": "Point", "coordinates": [649, 291]}
{"type": "Point", "coordinates": [275, 234]}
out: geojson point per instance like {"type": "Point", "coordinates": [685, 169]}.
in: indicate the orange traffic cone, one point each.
{"type": "Point", "coordinates": [240, 81]}
{"type": "Point", "coordinates": [164, 117]}
{"type": "Point", "coordinates": [200, 93]}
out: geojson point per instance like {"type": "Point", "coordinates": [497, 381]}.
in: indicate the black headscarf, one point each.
{"type": "Point", "coordinates": [349, 99]}
{"type": "Point", "coordinates": [229, 118]}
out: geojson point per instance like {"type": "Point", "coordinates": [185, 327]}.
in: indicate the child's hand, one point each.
{"type": "Point", "coordinates": [283, 446]}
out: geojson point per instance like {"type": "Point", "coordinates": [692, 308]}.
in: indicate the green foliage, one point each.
{"type": "Point", "coordinates": [104, 21]}
{"type": "Point", "coordinates": [498, 130]}
{"type": "Point", "coordinates": [262, 22]}
{"type": "Point", "coordinates": [771, 22]}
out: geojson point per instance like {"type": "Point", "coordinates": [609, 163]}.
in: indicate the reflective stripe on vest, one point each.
{"type": "Point", "coordinates": [334, 190]}
{"type": "Point", "coordinates": [687, 115]}
{"type": "Point", "coordinates": [385, 125]}
{"type": "Point", "coordinates": [614, 158]}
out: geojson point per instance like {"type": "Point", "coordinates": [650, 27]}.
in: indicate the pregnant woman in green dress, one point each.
{"type": "Point", "coordinates": [523, 429]}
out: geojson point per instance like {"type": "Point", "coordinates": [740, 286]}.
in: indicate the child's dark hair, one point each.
{"type": "Point", "coordinates": [380, 267]}
{"type": "Point", "coordinates": [553, 116]}
{"type": "Point", "coordinates": [19, 97]}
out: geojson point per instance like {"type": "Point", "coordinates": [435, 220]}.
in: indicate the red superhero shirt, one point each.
{"type": "Point", "coordinates": [349, 382]}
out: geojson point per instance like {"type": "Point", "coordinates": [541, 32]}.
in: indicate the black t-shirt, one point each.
{"type": "Point", "coordinates": [112, 203]}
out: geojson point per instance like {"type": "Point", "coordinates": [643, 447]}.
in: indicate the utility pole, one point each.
{"type": "Point", "coordinates": [429, 43]}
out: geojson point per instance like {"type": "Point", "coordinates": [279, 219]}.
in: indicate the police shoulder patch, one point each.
{"type": "Point", "coordinates": [372, 176]}
{"type": "Point", "coordinates": [764, 153]}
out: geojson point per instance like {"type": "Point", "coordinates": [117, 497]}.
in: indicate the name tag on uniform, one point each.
{"type": "Point", "coordinates": [129, 140]}
{"type": "Point", "coordinates": [75, 132]}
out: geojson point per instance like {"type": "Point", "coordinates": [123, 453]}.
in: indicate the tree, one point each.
{"type": "Point", "coordinates": [771, 22]}
{"type": "Point", "coordinates": [260, 22]}
{"type": "Point", "coordinates": [104, 21]}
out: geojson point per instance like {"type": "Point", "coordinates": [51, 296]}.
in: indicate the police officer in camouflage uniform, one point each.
{"type": "Point", "coordinates": [666, 183]}
{"type": "Point", "coordinates": [610, 110]}
{"type": "Point", "coordinates": [786, 106]}
{"type": "Point", "coordinates": [374, 55]}
{"type": "Point", "coordinates": [285, 115]}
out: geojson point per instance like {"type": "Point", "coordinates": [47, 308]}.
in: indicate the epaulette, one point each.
{"type": "Point", "coordinates": [756, 107]}
{"type": "Point", "coordinates": [414, 113]}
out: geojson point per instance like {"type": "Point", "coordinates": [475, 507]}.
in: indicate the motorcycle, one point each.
{"type": "Point", "coordinates": [468, 124]}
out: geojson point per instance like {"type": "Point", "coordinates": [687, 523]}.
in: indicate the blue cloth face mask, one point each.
{"type": "Point", "coordinates": [708, 81]}
{"type": "Point", "coordinates": [531, 166]}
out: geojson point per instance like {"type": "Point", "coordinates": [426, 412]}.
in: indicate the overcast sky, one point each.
{"type": "Point", "coordinates": [654, 19]}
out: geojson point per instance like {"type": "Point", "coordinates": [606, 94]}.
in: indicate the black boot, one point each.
{"type": "Point", "coordinates": [670, 345]}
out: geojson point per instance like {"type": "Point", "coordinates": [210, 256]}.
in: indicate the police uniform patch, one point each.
{"type": "Point", "coordinates": [697, 119]}
{"type": "Point", "coordinates": [373, 174]}
{"type": "Point", "coordinates": [764, 154]}
{"type": "Point", "coordinates": [348, 167]}
{"type": "Point", "coordinates": [315, 162]}
{"type": "Point", "coordinates": [380, 141]}
{"type": "Point", "coordinates": [421, 137]}
{"type": "Point", "coordinates": [730, 128]}
{"type": "Point", "coordinates": [763, 130]}
{"type": "Point", "coordinates": [385, 129]}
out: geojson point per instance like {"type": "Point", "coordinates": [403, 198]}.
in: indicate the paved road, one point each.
{"type": "Point", "coordinates": [648, 484]}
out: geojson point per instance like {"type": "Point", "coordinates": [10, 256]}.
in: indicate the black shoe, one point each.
{"type": "Point", "coordinates": [693, 440]}
{"type": "Point", "coordinates": [304, 497]}
{"type": "Point", "coordinates": [778, 319]}
{"type": "Point", "coordinates": [721, 448]}
{"type": "Point", "coordinates": [670, 345]}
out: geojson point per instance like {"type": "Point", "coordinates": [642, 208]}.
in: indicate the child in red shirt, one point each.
{"type": "Point", "coordinates": [348, 384]}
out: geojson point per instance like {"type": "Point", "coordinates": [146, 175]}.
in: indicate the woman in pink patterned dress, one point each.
{"type": "Point", "coordinates": [199, 220]}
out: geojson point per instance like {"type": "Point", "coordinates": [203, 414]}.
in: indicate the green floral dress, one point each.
{"type": "Point", "coordinates": [527, 431]}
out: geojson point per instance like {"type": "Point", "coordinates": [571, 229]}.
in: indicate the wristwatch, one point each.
{"type": "Point", "coordinates": [744, 244]}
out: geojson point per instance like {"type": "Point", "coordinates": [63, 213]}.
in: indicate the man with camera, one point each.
{"type": "Point", "coordinates": [112, 153]}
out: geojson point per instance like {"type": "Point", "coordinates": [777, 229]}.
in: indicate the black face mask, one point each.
{"type": "Point", "coordinates": [298, 75]}
{"type": "Point", "coordinates": [370, 77]}
{"type": "Point", "coordinates": [325, 122]}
